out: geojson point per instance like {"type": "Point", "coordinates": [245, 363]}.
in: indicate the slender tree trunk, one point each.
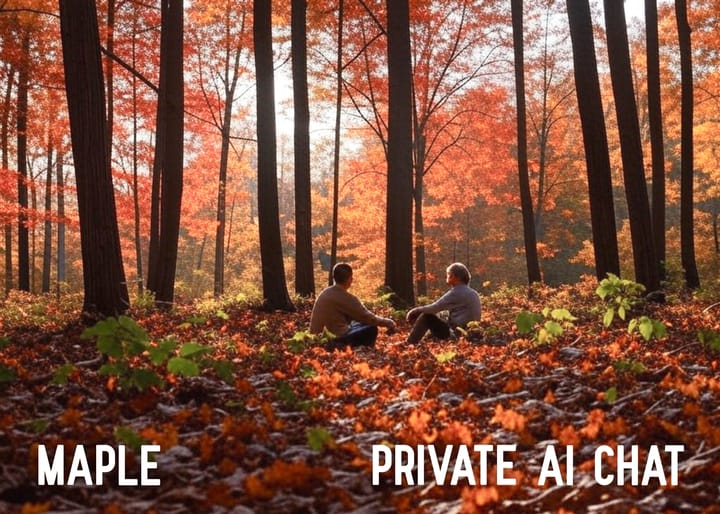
{"type": "Point", "coordinates": [103, 275]}
{"type": "Point", "coordinates": [531, 255]}
{"type": "Point", "coordinates": [230, 80]}
{"type": "Point", "coordinates": [47, 241]}
{"type": "Point", "coordinates": [110, 76]}
{"type": "Point", "coordinates": [687, 234]}
{"type": "Point", "coordinates": [168, 164]}
{"type": "Point", "coordinates": [656, 132]}
{"type": "Point", "coordinates": [418, 192]}
{"type": "Point", "coordinates": [336, 147]}
{"type": "Point", "coordinates": [136, 192]}
{"type": "Point", "coordinates": [60, 180]}
{"type": "Point", "coordinates": [643, 243]}
{"type": "Point", "coordinates": [304, 269]}
{"type": "Point", "coordinates": [219, 275]}
{"type": "Point", "coordinates": [21, 121]}
{"type": "Point", "coordinates": [398, 236]}
{"type": "Point", "coordinates": [4, 143]}
{"type": "Point", "coordinates": [587, 85]}
{"type": "Point", "coordinates": [275, 292]}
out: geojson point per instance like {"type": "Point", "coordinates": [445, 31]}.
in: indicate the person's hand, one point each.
{"type": "Point", "coordinates": [390, 325]}
{"type": "Point", "coordinates": [412, 315]}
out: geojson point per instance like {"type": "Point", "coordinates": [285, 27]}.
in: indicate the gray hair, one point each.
{"type": "Point", "coordinates": [460, 271]}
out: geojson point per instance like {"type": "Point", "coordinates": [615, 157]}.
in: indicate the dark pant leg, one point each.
{"type": "Point", "coordinates": [437, 327]}
{"type": "Point", "coordinates": [358, 335]}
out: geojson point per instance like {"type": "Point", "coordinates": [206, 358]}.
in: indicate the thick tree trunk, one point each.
{"type": "Point", "coordinates": [656, 132]}
{"type": "Point", "coordinates": [275, 291]}
{"type": "Point", "coordinates": [103, 275]}
{"type": "Point", "coordinates": [687, 233]}
{"type": "Point", "coordinates": [304, 269]}
{"type": "Point", "coordinates": [587, 86]}
{"type": "Point", "coordinates": [168, 165]}
{"type": "Point", "coordinates": [643, 243]}
{"type": "Point", "coordinates": [398, 238]}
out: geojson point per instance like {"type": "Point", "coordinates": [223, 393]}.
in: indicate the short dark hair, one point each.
{"type": "Point", "coordinates": [342, 272]}
{"type": "Point", "coordinates": [460, 271]}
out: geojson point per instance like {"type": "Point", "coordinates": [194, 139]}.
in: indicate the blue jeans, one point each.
{"type": "Point", "coordinates": [358, 335]}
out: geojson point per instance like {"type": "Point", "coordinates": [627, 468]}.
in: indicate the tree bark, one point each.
{"type": "Point", "coordinates": [168, 164]}
{"type": "Point", "coordinates": [643, 243]}
{"type": "Point", "coordinates": [275, 294]}
{"type": "Point", "coordinates": [657, 149]}
{"type": "Point", "coordinates": [47, 229]}
{"type": "Point", "coordinates": [304, 269]}
{"type": "Point", "coordinates": [336, 144]}
{"type": "Point", "coordinates": [687, 234]}
{"type": "Point", "coordinates": [21, 123]}
{"type": "Point", "coordinates": [4, 148]}
{"type": "Point", "coordinates": [398, 236]}
{"type": "Point", "coordinates": [531, 255]}
{"type": "Point", "coordinates": [104, 279]}
{"type": "Point", "coordinates": [592, 118]}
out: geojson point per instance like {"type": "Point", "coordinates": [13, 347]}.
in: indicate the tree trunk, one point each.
{"type": "Point", "coordinates": [643, 243]}
{"type": "Point", "coordinates": [531, 255]}
{"type": "Point", "coordinates": [60, 274]}
{"type": "Point", "coordinates": [110, 76]}
{"type": "Point", "coordinates": [304, 269]}
{"type": "Point", "coordinates": [687, 234]}
{"type": "Point", "coordinates": [656, 132]}
{"type": "Point", "coordinates": [592, 118]}
{"type": "Point", "coordinates": [275, 292]}
{"type": "Point", "coordinates": [21, 123]}
{"type": "Point", "coordinates": [398, 238]}
{"type": "Point", "coordinates": [420, 265]}
{"type": "Point", "coordinates": [103, 275]}
{"type": "Point", "coordinates": [4, 148]}
{"type": "Point", "coordinates": [135, 190]}
{"type": "Point", "coordinates": [336, 147]}
{"type": "Point", "coordinates": [168, 164]}
{"type": "Point", "coordinates": [47, 232]}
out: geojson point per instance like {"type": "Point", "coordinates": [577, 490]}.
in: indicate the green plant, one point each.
{"type": "Point", "coordinates": [319, 438]}
{"type": "Point", "coordinates": [710, 339]}
{"type": "Point", "coordinates": [133, 360]}
{"type": "Point", "coordinates": [647, 327]}
{"type": "Point", "coordinates": [629, 366]}
{"type": "Point", "coordinates": [545, 326]}
{"type": "Point", "coordinates": [7, 374]}
{"type": "Point", "coordinates": [621, 294]}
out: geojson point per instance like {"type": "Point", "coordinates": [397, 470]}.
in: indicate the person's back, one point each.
{"type": "Point", "coordinates": [343, 314]}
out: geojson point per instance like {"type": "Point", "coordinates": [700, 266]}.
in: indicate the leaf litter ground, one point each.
{"type": "Point", "coordinates": [294, 431]}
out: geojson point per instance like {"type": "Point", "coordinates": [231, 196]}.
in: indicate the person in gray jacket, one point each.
{"type": "Point", "coordinates": [461, 302]}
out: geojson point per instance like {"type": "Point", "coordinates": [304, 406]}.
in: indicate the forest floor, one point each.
{"type": "Point", "coordinates": [294, 427]}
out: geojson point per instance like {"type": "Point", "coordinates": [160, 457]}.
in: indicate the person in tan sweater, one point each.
{"type": "Point", "coordinates": [344, 315]}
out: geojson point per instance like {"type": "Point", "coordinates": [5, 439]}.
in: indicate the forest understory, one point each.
{"type": "Point", "coordinates": [292, 428]}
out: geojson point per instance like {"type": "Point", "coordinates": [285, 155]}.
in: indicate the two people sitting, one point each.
{"type": "Point", "coordinates": [345, 316]}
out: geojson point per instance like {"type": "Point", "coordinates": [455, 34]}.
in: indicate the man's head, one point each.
{"type": "Point", "coordinates": [342, 274]}
{"type": "Point", "coordinates": [457, 273]}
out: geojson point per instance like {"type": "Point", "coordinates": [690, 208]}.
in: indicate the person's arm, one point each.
{"type": "Point", "coordinates": [354, 309]}
{"type": "Point", "coordinates": [444, 303]}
